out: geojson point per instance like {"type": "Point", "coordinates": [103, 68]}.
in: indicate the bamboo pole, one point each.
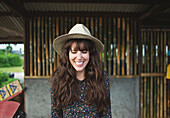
{"type": "Point", "coordinates": [42, 43]}
{"type": "Point", "coordinates": [114, 46]}
{"type": "Point", "coordinates": [96, 28]}
{"type": "Point", "coordinates": [145, 80]}
{"type": "Point", "coordinates": [123, 46]}
{"type": "Point", "coordinates": [165, 91]}
{"type": "Point", "coordinates": [135, 38]}
{"type": "Point", "coordinates": [109, 47]}
{"type": "Point", "coordinates": [31, 48]}
{"type": "Point", "coordinates": [151, 84]}
{"type": "Point", "coordinates": [57, 33]}
{"type": "Point", "coordinates": [158, 80]}
{"type": "Point", "coordinates": [142, 82]}
{"type": "Point", "coordinates": [161, 86]}
{"type": "Point", "coordinates": [145, 97]}
{"type": "Point", "coordinates": [131, 46]}
{"type": "Point", "coordinates": [66, 25]}
{"type": "Point", "coordinates": [87, 22]}
{"type": "Point", "coordinates": [92, 25]}
{"type": "Point", "coordinates": [154, 70]}
{"type": "Point", "coordinates": [46, 46]}
{"type": "Point", "coordinates": [53, 37]}
{"type": "Point", "coordinates": [147, 70]}
{"type": "Point", "coordinates": [73, 21]}
{"type": "Point", "coordinates": [38, 47]}
{"type": "Point", "coordinates": [35, 47]}
{"type": "Point", "coordinates": [50, 46]}
{"type": "Point", "coordinates": [105, 44]}
{"type": "Point", "coordinates": [118, 48]}
{"type": "Point", "coordinates": [128, 48]}
{"type": "Point", "coordinates": [100, 34]}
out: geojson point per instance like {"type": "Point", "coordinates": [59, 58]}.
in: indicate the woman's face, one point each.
{"type": "Point", "coordinates": [78, 59]}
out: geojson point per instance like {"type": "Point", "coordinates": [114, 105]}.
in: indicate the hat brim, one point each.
{"type": "Point", "coordinates": [60, 41]}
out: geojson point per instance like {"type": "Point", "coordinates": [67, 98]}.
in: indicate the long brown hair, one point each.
{"type": "Point", "coordinates": [65, 84]}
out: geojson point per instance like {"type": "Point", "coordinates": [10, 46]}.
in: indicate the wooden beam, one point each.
{"type": "Point", "coordinates": [98, 1]}
{"type": "Point", "coordinates": [152, 74]}
{"type": "Point", "coordinates": [37, 77]}
{"type": "Point", "coordinates": [83, 14]}
{"type": "Point", "coordinates": [124, 76]}
{"type": "Point", "coordinates": [12, 40]}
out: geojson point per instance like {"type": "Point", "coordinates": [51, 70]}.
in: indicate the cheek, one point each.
{"type": "Point", "coordinates": [71, 57]}
{"type": "Point", "coordinates": [87, 57]}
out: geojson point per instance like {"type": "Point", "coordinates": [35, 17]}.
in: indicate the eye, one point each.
{"type": "Point", "coordinates": [84, 51]}
{"type": "Point", "coordinates": [73, 51]}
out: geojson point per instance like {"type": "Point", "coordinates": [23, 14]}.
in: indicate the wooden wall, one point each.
{"type": "Point", "coordinates": [129, 52]}
{"type": "Point", "coordinates": [119, 36]}
{"type": "Point", "coordinates": [153, 80]}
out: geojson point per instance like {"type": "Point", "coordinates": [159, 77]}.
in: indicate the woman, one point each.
{"type": "Point", "coordinates": [80, 88]}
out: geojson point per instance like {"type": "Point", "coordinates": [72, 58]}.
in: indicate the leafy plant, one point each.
{"type": "Point", "coordinates": [3, 77]}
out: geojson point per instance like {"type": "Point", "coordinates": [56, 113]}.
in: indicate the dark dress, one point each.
{"type": "Point", "coordinates": [81, 110]}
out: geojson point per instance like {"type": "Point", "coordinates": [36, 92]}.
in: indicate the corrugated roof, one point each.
{"type": "Point", "coordinates": [4, 8]}
{"type": "Point", "coordinates": [12, 13]}
{"type": "Point", "coordinates": [85, 7]}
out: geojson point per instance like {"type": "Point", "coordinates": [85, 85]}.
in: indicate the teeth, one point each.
{"type": "Point", "coordinates": [79, 63]}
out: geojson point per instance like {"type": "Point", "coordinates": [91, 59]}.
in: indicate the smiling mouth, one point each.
{"type": "Point", "coordinates": [79, 63]}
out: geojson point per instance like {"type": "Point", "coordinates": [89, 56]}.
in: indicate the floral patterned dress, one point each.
{"type": "Point", "coordinates": [80, 110]}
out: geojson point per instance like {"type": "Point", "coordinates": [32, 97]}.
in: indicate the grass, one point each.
{"type": "Point", "coordinates": [12, 69]}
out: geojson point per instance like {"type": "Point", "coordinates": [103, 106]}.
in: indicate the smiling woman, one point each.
{"type": "Point", "coordinates": [80, 88]}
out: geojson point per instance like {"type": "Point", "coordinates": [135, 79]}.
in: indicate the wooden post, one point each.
{"type": "Point", "coordinates": [105, 44]}
{"type": "Point", "coordinates": [57, 33]}
{"type": "Point", "coordinates": [42, 43]}
{"type": "Point", "coordinates": [135, 48]}
{"type": "Point", "coordinates": [141, 39]}
{"type": "Point", "coordinates": [38, 47]}
{"type": "Point", "coordinates": [118, 48]}
{"type": "Point", "coordinates": [46, 46]}
{"type": "Point", "coordinates": [35, 49]}
{"type": "Point", "coordinates": [123, 46]}
{"type": "Point", "coordinates": [128, 48]}
{"type": "Point", "coordinates": [158, 79]}
{"type": "Point", "coordinates": [161, 86]}
{"type": "Point", "coordinates": [31, 47]}
{"type": "Point", "coordinates": [145, 80]}
{"type": "Point", "coordinates": [164, 79]}
{"type": "Point", "coordinates": [100, 34]}
{"type": "Point", "coordinates": [50, 46]}
{"type": "Point", "coordinates": [131, 46]}
{"type": "Point", "coordinates": [114, 46]}
{"type": "Point", "coordinates": [151, 84]}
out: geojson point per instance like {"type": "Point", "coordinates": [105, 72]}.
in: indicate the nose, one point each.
{"type": "Point", "coordinates": [79, 55]}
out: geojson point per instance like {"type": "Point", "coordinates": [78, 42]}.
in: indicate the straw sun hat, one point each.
{"type": "Point", "coordinates": [79, 31]}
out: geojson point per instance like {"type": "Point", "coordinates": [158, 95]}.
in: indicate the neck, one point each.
{"type": "Point", "coordinates": [80, 75]}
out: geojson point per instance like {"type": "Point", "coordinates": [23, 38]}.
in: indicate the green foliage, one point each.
{"type": "Point", "coordinates": [9, 59]}
{"type": "Point", "coordinates": [2, 51]}
{"type": "Point", "coordinates": [3, 60]}
{"type": "Point", "coordinates": [14, 59]}
{"type": "Point", "coordinates": [3, 77]}
{"type": "Point", "coordinates": [7, 82]}
{"type": "Point", "coordinates": [9, 48]}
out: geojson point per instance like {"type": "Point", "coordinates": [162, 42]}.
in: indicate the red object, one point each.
{"type": "Point", "coordinates": [8, 109]}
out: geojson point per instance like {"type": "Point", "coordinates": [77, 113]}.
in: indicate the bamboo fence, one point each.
{"type": "Point", "coordinates": [120, 56]}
